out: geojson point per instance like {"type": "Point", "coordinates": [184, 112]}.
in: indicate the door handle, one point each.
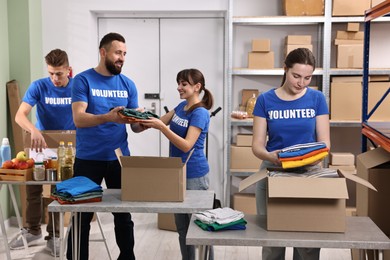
{"type": "Point", "coordinates": [153, 108]}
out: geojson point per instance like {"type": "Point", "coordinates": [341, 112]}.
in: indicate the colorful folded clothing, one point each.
{"type": "Point", "coordinates": [77, 185]}
{"type": "Point", "coordinates": [236, 225]}
{"type": "Point", "coordinates": [310, 154]}
{"type": "Point", "coordinates": [301, 149]}
{"type": "Point", "coordinates": [303, 162]}
{"type": "Point", "coordinates": [134, 114]}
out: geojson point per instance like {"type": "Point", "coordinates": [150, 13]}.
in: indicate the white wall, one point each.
{"type": "Point", "coordinates": [71, 24]}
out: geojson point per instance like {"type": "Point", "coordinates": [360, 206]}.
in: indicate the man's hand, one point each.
{"type": "Point", "coordinates": [37, 141]}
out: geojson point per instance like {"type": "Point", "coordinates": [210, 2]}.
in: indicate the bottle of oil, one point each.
{"type": "Point", "coordinates": [60, 159]}
{"type": "Point", "coordinates": [250, 105]}
{"type": "Point", "coordinates": [67, 168]}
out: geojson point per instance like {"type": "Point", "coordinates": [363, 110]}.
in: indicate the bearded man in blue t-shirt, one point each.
{"type": "Point", "coordinates": [97, 96]}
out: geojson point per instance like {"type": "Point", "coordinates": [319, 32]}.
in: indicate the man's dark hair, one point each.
{"type": "Point", "coordinates": [106, 41]}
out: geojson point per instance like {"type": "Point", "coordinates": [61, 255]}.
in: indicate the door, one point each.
{"type": "Point", "coordinates": [157, 49]}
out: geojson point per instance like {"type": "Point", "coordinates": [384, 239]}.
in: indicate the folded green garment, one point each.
{"type": "Point", "coordinates": [137, 114]}
{"type": "Point", "coordinates": [236, 225]}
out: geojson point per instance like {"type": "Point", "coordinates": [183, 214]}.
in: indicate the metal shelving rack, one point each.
{"type": "Point", "coordinates": [379, 133]}
{"type": "Point", "coordinates": [325, 26]}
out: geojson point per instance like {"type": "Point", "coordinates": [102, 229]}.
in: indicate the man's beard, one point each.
{"type": "Point", "coordinates": [112, 68]}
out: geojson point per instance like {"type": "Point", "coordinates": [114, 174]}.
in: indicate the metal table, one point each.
{"type": "Point", "coordinates": [194, 201]}
{"type": "Point", "coordinates": [361, 233]}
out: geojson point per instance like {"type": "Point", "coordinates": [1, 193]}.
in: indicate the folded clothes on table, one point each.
{"type": "Point", "coordinates": [219, 215]}
{"type": "Point", "coordinates": [235, 225]}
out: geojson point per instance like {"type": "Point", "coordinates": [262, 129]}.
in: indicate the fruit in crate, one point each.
{"type": "Point", "coordinates": [20, 162]}
{"type": "Point", "coordinates": [8, 165]}
{"type": "Point", "coordinates": [22, 156]}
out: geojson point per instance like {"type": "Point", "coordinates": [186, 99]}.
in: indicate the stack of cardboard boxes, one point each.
{"type": "Point", "coordinates": [349, 45]}
{"type": "Point", "coordinates": [298, 41]}
{"type": "Point", "coordinates": [346, 162]}
{"type": "Point", "coordinates": [261, 56]}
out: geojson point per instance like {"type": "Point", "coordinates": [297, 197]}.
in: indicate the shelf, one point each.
{"type": "Point", "coordinates": [379, 71]}
{"type": "Point", "coordinates": [266, 72]}
{"type": "Point", "coordinates": [242, 122]}
{"type": "Point", "coordinates": [277, 20]}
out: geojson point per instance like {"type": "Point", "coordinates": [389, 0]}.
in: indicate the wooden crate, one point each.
{"type": "Point", "coordinates": [16, 175]}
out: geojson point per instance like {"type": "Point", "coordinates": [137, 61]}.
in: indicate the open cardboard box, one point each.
{"type": "Point", "coordinates": [305, 204]}
{"type": "Point", "coordinates": [146, 178]}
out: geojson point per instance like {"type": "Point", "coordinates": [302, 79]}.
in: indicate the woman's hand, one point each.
{"type": "Point", "coordinates": [153, 123]}
{"type": "Point", "coordinates": [274, 157]}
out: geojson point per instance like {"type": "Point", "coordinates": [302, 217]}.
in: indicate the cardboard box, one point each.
{"type": "Point", "coordinates": [345, 35]}
{"type": "Point", "coordinates": [247, 94]}
{"type": "Point", "coordinates": [292, 47]}
{"type": "Point", "coordinates": [166, 221]}
{"type": "Point", "coordinates": [342, 158]}
{"type": "Point", "coordinates": [339, 100]}
{"type": "Point", "coordinates": [376, 2]}
{"type": "Point", "coordinates": [153, 178]}
{"type": "Point", "coordinates": [374, 166]}
{"type": "Point", "coordinates": [305, 204]}
{"type": "Point", "coordinates": [303, 7]}
{"type": "Point", "coordinates": [349, 94]}
{"type": "Point", "coordinates": [353, 27]}
{"type": "Point", "coordinates": [347, 79]}
{"type": "Point", "coordinates": [347, 42]}
{"type": "Point", "coordinates": [244, 140]}
{"type": "Point", "coordinates": [53, 138]}
{"type": "Point", "coordinates": [298, 39]}
{"type": "Point", "coordinates": [350, 56]}
{"type": "Point", "coordinates": [350, 7]}
{"type": "Point", "coordinates": [245, 202]}
{"type": "Point", "coordinates": [243, 158]}
{"type": "Point", "coordinates": [261, 45]}
{"type": "Point", "coordinates": [261, 60]}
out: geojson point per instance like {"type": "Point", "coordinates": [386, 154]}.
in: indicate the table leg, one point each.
{"type": "Point", "coordinates": [17, 213]}
{"type": "Point", "coordinates": [61, 238]}
{"type": "Point", "coordinates": [7, 250]}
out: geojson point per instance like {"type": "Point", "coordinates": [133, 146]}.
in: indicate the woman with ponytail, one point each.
{"type": "Point", "coordinates": [186, 127]}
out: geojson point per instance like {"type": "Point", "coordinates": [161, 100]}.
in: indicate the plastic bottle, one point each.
{"type": "Point", "coordinates": [67, 168]}
{"type": "Point", "coordinates": [5, 150]}
{"type": "Point", "coordinates": [60, 159]}
{"type": "Point", "coordinates": [250, 105]}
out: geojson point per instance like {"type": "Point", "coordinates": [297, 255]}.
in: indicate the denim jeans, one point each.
{"type": "Point", "coordinates": [183, 220]}
{"type": "Point", "coordinates": [124, 226]}
{"type": "Point", "coordinates": [278, 253]}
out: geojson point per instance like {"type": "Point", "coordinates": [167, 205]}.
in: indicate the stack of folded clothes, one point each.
{"type": "Point", "coordinates": [78, 189]}
{"type": "Point", "coordinates": [135, 116]}
{"type": "Point", "coordinates": [302, 154]}
{"type": "Point", "coordinates": [220, 219]}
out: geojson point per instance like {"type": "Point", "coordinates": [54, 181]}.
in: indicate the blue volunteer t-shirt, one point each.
{"type": "Point", "coordinates": [290, 122]}
{"type": "Point", "coordinates": [197, 166]}
{"type": "Point", "coordinates": [102, 93]}
{"type": "Point", "coordinates": [54, 104]}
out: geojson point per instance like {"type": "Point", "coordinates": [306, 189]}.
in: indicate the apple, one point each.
{"type": "Point", "coordinates": [22, 165]}
{"type": "Point", "coordinates": [15, 161]}
{"type": "Point", "coordinates": [30, 162]}
{"type": "Point", "coordinates": [22, 156]}
{"type": "Point", "coordinates": [8, 165]}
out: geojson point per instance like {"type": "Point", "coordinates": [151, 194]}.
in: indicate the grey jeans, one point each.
{"type": "Point", "coordinates": [278, 253]}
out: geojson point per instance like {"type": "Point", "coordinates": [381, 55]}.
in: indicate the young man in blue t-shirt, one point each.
{"type": "Point", "coordinates": [52, 96]}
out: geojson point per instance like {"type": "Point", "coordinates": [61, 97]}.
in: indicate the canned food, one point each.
{"type": "Point", "coordinates": [51, 174]}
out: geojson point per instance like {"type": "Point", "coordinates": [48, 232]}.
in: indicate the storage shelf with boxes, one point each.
{"type": "Point", "coordinates": [275, 24]}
